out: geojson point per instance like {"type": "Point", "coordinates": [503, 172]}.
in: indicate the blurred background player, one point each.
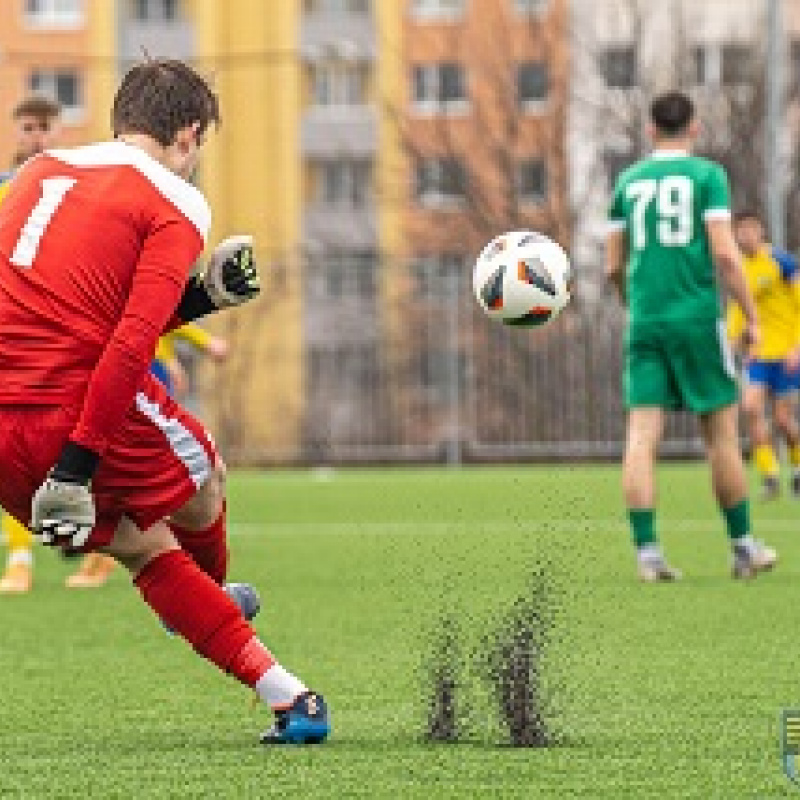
{"type": "Point", "coordinates": [669, 223]}
{"type": "Point", "coordinates": [772, 368]}
{"type": "Point", "coordinates": [37, 126]}
{"type": "Point", "coordinates": [96, 568]}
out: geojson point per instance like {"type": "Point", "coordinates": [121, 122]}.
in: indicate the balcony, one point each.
{"type": "Point", "coordinates": [339, 131]}
{"type": "Point", "coordinates": [341, 227]}
{"type": "Point", "coordinates": [345, 35]}
{"type": "Point", "coordinates": [158, 38]}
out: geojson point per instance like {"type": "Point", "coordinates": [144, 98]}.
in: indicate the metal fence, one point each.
{"type": "Point", "coordinates": [427, 376]}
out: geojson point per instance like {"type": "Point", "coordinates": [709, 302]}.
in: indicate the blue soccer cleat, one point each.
{"type": "Point", "coordinates": [246, 597]}
{"type": "Point", "coordinates": [306, 721]}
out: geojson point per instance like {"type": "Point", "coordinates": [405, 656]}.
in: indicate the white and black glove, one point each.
{"type": "Point", "coordinates": [230, 278]}
{"type": "Point", "coordinates": [62, 511]}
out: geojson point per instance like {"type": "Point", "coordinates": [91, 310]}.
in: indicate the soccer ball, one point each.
{"type": "Point", "coordinates": [522, 279]}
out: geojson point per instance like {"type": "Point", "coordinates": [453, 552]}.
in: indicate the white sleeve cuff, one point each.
{"type": "Point", "coordinates": [616, 225]}
{"type": "Point", "coordinates": [716, 213]}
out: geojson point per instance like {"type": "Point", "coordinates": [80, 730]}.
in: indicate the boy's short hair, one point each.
{"type": "Point", "coordinates": [747, 215]}
{"type": "Point", "coordinates": [160, 97]}
{"type": "Point", "coordinates": [671, 113]}
{"type": "Point", "coordinates": [37, 106]}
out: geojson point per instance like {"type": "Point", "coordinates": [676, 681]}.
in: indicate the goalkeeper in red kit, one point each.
{"type": "Point", "coordinates": [98, 247]}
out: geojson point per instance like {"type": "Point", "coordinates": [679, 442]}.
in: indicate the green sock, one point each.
{"type": "Point", "coordinates": [737, 519]}
{"type": "Point", "coordinates": [643, 526]}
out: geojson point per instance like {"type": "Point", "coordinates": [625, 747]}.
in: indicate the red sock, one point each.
{"type": "Point", "coordinates": [208, 547]}
{"type": "Point", "coordinates": [191, 604]}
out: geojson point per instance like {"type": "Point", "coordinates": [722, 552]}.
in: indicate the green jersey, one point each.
{"type": "Point", "coordinates": [662, 203]}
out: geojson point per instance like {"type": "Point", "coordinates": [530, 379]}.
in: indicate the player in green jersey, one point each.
{"type": "Point", "coordinates": [670, 223]}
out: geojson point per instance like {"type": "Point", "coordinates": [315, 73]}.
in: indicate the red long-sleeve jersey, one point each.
{"type": "Point", "coordinates": [96, 246]}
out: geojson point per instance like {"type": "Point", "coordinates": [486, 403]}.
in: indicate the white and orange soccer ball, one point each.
{"type": "Point", "coordinates": [522, 279]}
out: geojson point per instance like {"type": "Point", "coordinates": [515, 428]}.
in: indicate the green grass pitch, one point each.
{"type": "Point", "coordinates": [666, 691]}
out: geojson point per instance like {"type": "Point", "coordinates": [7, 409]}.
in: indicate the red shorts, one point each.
{"type": "Point", "coordinates": [158, 460]}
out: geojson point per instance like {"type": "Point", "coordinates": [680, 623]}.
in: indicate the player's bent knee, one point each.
{"type": "Point", "coordinates": [134, 548]}
{"type": "Point", "coordinates": [204, 507]}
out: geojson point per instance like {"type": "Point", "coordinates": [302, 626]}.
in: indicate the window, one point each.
{"type": "Point", "coordinates": [61, 85]}
{"type": "Point", "coordinates": [349, 274]}
{"type": "Point", "coordinates": [339, 83]}
{"type": "Point", "coordinates": [738, 64]}
{"type": "Point", "coordinates": [344, 182]}
{"type": "Point", "coordinates": [438, 8]}
{"type": "Point", "coordinates": [360, 7]}
{"type": "Point", "coordinates": [439, 180]}
{"type": "Point", "coordinates": [699, 65]}
{"type": "Point", "coordinates": [439, 85]}
{"type": "Point", "coordinates": [54, 13]}
{"type": "Point", "coordinates": [533, 82]}
{"type": "Point", "coordinates": [532, 180]}
{"type": "Point", "coordinates": [436, 277]}
{"type": "Point", "coordinates": [530, 7]}
{"type": "Point", "coordinates": [155, 10]}
{"type": "Point", "coordinates": [618, 65]}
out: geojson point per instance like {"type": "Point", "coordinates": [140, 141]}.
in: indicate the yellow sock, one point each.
{"type": "Point", "coordinates": [18, 538]}
{"type": "Point", "coordinates": [794, 455]}
{"type": "Point", "coordinates": [766, 463]}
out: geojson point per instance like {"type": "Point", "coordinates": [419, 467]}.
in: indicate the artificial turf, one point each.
{"type": "Point", "coordinates": [661, 691]}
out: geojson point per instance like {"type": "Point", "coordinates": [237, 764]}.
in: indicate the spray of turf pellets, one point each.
{"type": "Point", "coordinates": [444, 686]}
{"type": "Point", "coordinates": [512, 661]}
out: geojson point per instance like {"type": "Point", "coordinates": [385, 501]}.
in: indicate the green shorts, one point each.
{"type": "Point", "coordinates": [679, 365]}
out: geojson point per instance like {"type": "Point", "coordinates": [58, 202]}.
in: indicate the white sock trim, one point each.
{"type": "Point", "coordinates": [649, 552]}
{"type": "Point", "coordinates": [279, 688]}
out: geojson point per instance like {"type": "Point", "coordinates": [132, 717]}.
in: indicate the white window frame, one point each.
{"type": "Point", "coordinates": [342, 77]}
{"type": "Point", "coordinates": [436, 197]}
{"type": "Point", "coordinates": [70, 115]}
{"type": "Point", "coordinates": [535, 106]}
{"type": "Point", "coordinates": [531, 8]}
{"type": "Point", "coordinates": [56, 14]}
{"type": "Point", "coordinates": [424, 10]}
{"type": "Point", "coordinates": [432, 103]}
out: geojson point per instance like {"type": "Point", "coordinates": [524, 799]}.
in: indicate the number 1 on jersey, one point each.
{"type": "Point", "coordinates": [53, 192]}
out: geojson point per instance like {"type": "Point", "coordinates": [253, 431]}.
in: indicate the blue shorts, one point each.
{"type": "Point", "coordinates": [774, 376]}
{"type": "Point", "coordinates": [159, 370]}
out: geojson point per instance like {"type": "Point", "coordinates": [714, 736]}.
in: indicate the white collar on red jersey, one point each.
{"type": "Point", "coordinates": [186, 198]}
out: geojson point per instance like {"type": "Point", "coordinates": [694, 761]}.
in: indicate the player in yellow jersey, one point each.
{"type": "Point", "coordinates": [96, 568]}
{"type": "Point", "coordinates": [36, 128]}
{"type": "Point", "coordinates": [772, 370]}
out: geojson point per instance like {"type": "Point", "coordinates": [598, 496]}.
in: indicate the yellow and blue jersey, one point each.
{"type": "Point", "coordinates": [5, 183]}
{"type": "Point", "coordinates": [165, 352]}
{"type": "Point", "coordinates": [773, 277]}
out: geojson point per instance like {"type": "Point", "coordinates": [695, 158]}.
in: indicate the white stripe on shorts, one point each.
{"type": "Point", "coordinates": [725, 348]}
{"type": "Point", "coordinates": [190, 452]}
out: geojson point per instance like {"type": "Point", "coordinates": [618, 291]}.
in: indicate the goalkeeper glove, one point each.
{"type": "Point", "coordinates": [230, 277]}
{"type": "Point", "coordinates": [62, 511]}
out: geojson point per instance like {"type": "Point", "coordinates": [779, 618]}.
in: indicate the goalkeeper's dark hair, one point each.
{"type": "Point", "coordinates": [671, 113]}
{"type": "Point", "coordinates": [161, 97]}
